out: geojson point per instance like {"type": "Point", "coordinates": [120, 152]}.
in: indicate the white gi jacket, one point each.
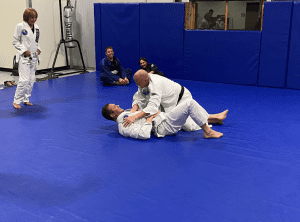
{"type": "Point", "coordinates": [164, 123]}
{"type": "Point", "coordinates": [25, 40]}
{"type": "Point", "coordinates": [160, 91]}
{"type": "Point", "coordinates": [139, 129]}
{"type": "Point", "coordinates": [165, 92]}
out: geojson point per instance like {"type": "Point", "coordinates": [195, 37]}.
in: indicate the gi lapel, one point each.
{"type": "Point", "coordinates": [29, 33]}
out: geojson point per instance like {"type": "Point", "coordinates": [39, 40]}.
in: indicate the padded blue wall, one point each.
{"type": "Point", "coordinates": [120, 29]}
{"type": "Point", "coordinates": [221, 56]}
{"type": "Point", "coordinates": [156, 31]}
{"type": "Point", "coordinates": [98, 45]}
{"type": "Point", "coordinates": [275, 44]}
{"type": "Point", "coordinates": [161, 36]}
{"type": "Point", "coordinates": [293, 76]}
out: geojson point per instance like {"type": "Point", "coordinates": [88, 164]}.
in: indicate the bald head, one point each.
{"type": "Point", "coordinates": [141, 78]}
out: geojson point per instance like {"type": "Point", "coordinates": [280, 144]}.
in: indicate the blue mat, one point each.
{"type": "Point", "coordinates": [61, 161]}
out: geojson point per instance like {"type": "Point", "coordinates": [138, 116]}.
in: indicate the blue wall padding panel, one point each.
{"type": "Point", "coordinates": [219, 56]}
{"type": "Point", "coordinates": [275, 44]}
{"type": "Point", "coordinates": [161, 36]}
{"type": "Point", "coordinates": [98, 45]}
{"type": "Point", "coordinates": [293, 75]}
{"type": "Point", "coordinates": [120, 29]}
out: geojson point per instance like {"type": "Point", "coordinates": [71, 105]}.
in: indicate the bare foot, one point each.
{"type": "Point", "coordinates": [8, 83]}
{"type": "Point", "coordinates": [17, 106]}
{"type": "Point", "coordinates": [13, 83]}
{"type": "Point", "coordinates": [212, 134]}
{"type": "Point", "coordinates": [28, 104]}
{"type": "Point", "coordinates": [218, 118]}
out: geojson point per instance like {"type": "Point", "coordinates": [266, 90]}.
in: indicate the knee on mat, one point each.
{"type": "Point", "coordinates": [105, 81]}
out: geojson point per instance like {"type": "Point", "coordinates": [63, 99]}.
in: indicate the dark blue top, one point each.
{"type": "Point", "coordinates": [107, 67]}
{"type": "Point", "coordinates": [152, 67]}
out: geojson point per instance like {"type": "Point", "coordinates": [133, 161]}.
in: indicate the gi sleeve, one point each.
{"type": "Point", "coordinates": [154, 100]}
{"type": "Point", "coordinates": [136, 131]}
{"type": "Point", "coordinates": [106, 73]}
{"type": "Point", "coordinates": [17, 41]}
{"type": "Point", "coordinates": [154, 68]}
{"type": "Point", "coordinates": [139, 99]}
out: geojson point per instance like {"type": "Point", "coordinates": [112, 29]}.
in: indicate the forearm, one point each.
{"type": "Point", "coordinates": [140, 115]}
{"type": "Point", "coordinates": [134, 108]}
{"type": "Point", "coordinates": [151, 108]}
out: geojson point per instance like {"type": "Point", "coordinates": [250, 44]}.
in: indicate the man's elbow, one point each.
{"type": "Point", "coordinates": [144, 136]}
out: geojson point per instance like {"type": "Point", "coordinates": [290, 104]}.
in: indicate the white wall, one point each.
{"type": "Point", "coordinates": [49, 23]}
{"type": "Point", "coordinates": [11, 14]}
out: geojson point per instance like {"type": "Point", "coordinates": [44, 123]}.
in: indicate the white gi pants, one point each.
{"type": "Point", "coordinates": [189, 125]}
{"type": "Point", "coordinates": [178, 116]}
{"type": "Point", "coordinates": [27, 70]}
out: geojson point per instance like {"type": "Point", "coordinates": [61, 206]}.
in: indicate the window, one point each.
{"type": "Point", "coordinates": [224, 15]}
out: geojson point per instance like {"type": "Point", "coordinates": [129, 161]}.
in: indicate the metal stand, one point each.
{"type": "Point", "coordinates": [52, 75]}
{"type": "Point", "coordinates": [62, 41]}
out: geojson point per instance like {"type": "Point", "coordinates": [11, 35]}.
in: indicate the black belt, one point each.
{"type": "Point", "coordinates": [180, 94]}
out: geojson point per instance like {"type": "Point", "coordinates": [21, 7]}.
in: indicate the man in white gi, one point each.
{"type": "Point", "coordinates": [154, 92]}
{"type": "Point", "coordinates": [26, 39]}
{"type": "Point", "coordinates": [163, 124]}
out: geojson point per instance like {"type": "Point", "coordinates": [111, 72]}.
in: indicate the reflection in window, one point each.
{"type": "Point", "coordinates": [224, 15]}
{"type": "Point", "coordinates": [244, 15]}
{"type": "Point", "coordinates": [210, 15]}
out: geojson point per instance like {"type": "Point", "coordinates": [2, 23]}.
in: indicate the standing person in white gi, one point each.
{"type": "Point", "coordinates": [26, 39]}
{"type": "Point", "coordinates": [154, 92]}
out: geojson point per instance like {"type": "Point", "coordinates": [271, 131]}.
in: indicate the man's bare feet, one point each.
{"type": "Point", "coordinates": [212, 134]}
{"type": "Point", "coordinates": [17, 106]}
{"type": "Point", "coordinates": [28, 104]}
{"type": "Point", "coordinates": [217, 118]}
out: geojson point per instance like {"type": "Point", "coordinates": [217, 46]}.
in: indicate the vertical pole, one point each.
{"type": "Point", "coordinates": [226, 15]}
{"type": "Point", "coordinates": [193, 15]}
{"type": "Point", "coordinates": [196, 16]}
{"type": "Point", "coordinates": [187, 15]}
{"type": "Point", "coordinates": [190, 13]}
{"type": "Point", "coordinates": [62, 32]}
{"type": "Point", "coordinates": [29, 3]}
{"type": "Point", "coordinates": [262, 16]}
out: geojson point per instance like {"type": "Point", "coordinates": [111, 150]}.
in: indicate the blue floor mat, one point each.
{"type": "Point", "coordinates": [62, 161]}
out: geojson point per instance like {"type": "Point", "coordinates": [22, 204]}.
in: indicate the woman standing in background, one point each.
{"type": "Point", "coordinates": [26, 39]}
